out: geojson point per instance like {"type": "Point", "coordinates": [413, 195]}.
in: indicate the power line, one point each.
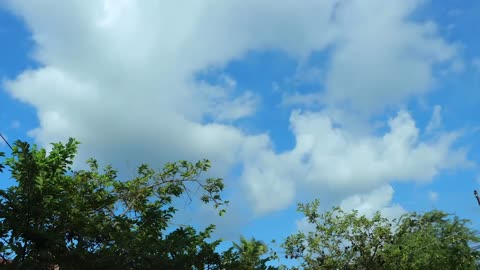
{"type": "Point", "coordinates": [5, 140]}
{"type": "Point", "coordinates": [475, 193]}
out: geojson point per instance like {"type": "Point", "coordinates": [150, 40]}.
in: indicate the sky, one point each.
{"type": "Point", "coordinates": [366, 104]}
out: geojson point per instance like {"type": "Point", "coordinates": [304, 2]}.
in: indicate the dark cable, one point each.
{"type": "Point", "coordinates": [5, 140]}
{"type": "Point", "coordinates": [475, 193]}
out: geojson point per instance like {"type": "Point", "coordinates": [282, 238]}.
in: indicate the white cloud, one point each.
{"type": "Point", "coordinates": [117, 74]}
{"type": "Point", "coordinates": [268, 182]}
{"type": "Point", "coordinates": [436, 120]}
{"type": "Point", "coordinates": [377, 65]}
{"type": "Point", "coordinates": [240, 107]}
{"type": "Point", "coordinates": [304, 226]}
{"type": "Point", "coordinates": [121, 78]}
{"type": "Point", "coordinates": [222, 106]}
{"type": "Point", "coordinates": [379, 199]}
{"type": "Point", "coordinates": [331, 160]}
{"type": "Point", "coordinates": [380, 58]}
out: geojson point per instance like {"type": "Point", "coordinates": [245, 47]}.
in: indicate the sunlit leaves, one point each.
{"type": "Point", "coordinates": [249, 254]}
{"type": "Point", "coordinates": [90, 217]}
{"type": "Point", "coordinates": [342, 240]}
{"type": "Point", "coordinates": [434, 240]}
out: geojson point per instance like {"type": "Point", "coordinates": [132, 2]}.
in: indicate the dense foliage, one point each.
{"type": "Point", "coordinates": [340, 240]}
{"type": "Point", "coordinates": [91, 219]}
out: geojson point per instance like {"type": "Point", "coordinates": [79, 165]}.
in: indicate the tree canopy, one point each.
{"type": "Point", "coordinates": [80, 219]}
{"type": "Point", "coordinates": [89, 218]}
{"type": "Point", "coordinates": [341, 240]}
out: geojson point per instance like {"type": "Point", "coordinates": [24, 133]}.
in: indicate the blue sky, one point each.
{"type": "Point", "coordinates": [365, 104]}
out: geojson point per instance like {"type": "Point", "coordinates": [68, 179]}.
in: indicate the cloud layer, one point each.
{"type": "Point", "coordinates": [120, 77]}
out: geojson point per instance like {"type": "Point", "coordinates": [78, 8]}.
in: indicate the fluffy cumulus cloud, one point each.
{"type": "Point", "coordinates": [330, 159]}
{"type": "Point", "coordinates": [121, 77]}
{"type": "Point", "coordinates": [383, 58]}
{"type": "Point", "coordinates": [380, 57]}
{"type": "Point", "coordinates": [377, 200]}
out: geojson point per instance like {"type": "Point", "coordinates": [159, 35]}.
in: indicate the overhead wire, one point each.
{"type": "Point", "coordinates": [5, 140]}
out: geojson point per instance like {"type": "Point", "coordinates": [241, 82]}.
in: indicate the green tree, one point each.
{"type": "Point", "coordinates": [90, 219]}
{"type": "Point", "coordinates": [434, 240]}
{"type": "Point", "coordinates": [247, 255]}
{"type": "Point", "coordinates": [341, 240]}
